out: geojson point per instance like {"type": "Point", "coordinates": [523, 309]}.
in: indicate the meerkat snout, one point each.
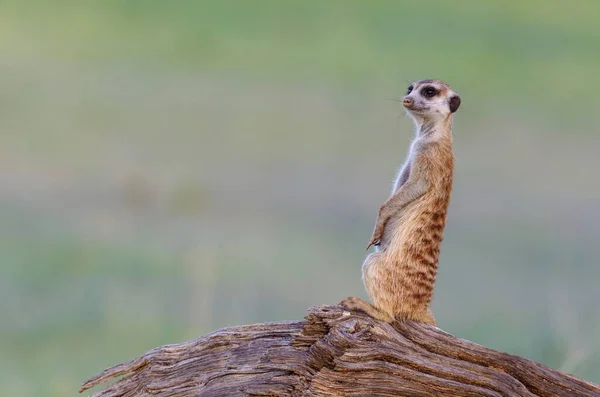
{"type": "Point", "coordinates": [408, 102]}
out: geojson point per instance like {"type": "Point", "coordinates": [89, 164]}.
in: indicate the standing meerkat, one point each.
{"type": "Point", "coordinates": [400, 275]}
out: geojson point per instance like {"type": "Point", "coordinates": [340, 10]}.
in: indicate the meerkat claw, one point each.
{"type": "Point", "coordinates": [375, 238]}
{"type": "Point", "coordinates": [372, 243]}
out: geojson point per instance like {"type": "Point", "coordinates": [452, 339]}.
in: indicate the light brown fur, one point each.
{"type": "Point", "coordinates": [400, 276]}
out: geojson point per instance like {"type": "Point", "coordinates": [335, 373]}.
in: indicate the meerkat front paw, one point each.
{"type": "Point", "coordinates": [358, 304]}
{"type": "Point", "coordinates": [382, 219]}
{"type": "Point", "coordinates": [375, 239]}
{"type": "Point", "coordinates": [377, 234]}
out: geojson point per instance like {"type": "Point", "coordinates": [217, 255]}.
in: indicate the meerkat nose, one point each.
{"type": "Point", "coordinates": [407, 102]}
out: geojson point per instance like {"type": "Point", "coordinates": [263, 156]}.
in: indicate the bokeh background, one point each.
{"type": "Point", "coordinates": [171, 168]}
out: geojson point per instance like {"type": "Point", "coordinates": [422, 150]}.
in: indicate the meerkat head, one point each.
{"type": "Point", "coordinates": [430, 100]}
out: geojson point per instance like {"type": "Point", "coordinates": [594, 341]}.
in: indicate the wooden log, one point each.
{"type": "Point", "coordinates": [335, 353]}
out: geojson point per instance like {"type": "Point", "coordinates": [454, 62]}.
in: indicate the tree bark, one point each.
{"type": "Point", "coordinates": [334, 353]}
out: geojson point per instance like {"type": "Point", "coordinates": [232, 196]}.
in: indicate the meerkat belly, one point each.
{"type": "Point", "coordinates": [418, 229]}
{"type": "Point", "coordinates": [400, 275]}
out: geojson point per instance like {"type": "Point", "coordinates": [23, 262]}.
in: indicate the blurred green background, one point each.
{"type": "Point", "coordinates": [171, 168]}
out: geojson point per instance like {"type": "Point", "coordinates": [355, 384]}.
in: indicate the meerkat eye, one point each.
{"type": "Point", "coordinates": [429, 92]}
{"type": "Point", "coordinates": [410, 88]}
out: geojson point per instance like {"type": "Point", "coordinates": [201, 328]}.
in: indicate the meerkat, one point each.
{"type": "Point", "coordinates": [400, 275]}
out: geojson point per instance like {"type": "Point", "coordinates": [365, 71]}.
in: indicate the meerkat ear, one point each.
{"type": "Point", "coordinates": [454, 103]}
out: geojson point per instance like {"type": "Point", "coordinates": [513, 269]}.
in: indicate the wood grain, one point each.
{"type": "Point", "coordinates": [334, 353]}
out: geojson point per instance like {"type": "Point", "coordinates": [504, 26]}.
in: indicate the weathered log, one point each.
{"type": "Point", "coordinates": [335, 353]}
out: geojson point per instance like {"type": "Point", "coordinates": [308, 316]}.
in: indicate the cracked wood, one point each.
{"type": "Point", "coordinates": [334, 353]}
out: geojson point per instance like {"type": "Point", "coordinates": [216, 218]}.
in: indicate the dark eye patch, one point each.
{"type": "Point", "coordinates": [410, 88]}
{"type": "Point", "coordinates": [429, 91]}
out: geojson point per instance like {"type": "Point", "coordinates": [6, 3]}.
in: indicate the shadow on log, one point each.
{"type": "Point", "coordinates": [335, 353]}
